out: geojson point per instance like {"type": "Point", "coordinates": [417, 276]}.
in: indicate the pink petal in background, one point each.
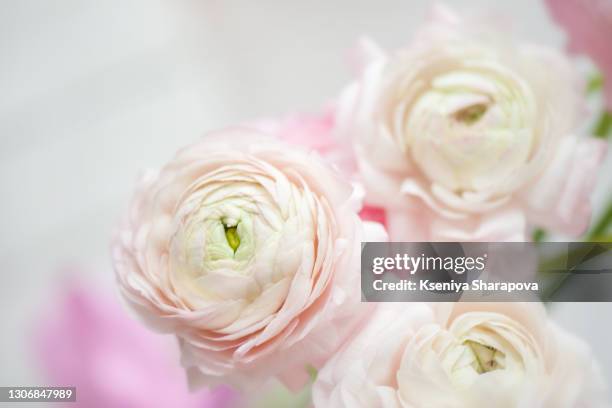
{"type": "Point", "coordinates": [315, 132]}
{"type": "Point", "coordinates": [374, 214]}
{"type": "Point", "coordinates": [588, 24]}
{"type": "Point", "coordinates": [312, 132]}
{"type": "Point", "coordinates": [87, 340]}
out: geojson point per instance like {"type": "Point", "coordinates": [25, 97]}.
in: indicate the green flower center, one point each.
{"type": "Point", "coordinates": [228, 237]}
{"type": "Point", "coordinates": [485, 358]}
{"type": "Point", "coordinates": [471, 114]}
{"type": "Point", "coordinates": [233, 239]}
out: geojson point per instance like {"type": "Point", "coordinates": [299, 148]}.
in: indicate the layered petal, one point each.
{"type": "Point", "coordinates": [461, 354]}
{"type": "Point", "coordinates": [248, 250]}
{"type": "Point", "coordinates": [452, 132]}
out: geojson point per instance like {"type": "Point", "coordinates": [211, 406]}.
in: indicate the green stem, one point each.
{"type": "Point", "coordinates": [595, 83]}
{"type": "Point", "coordinates": [539, 235]}
{"type": "Point", "coordinates": [555, 263]}
{"type": "Point", "coordinates": [603, 125]}
{"type": "Point", "coordinates": [602, 225]}
{"type": "Point", "coordinates": [595, 234]}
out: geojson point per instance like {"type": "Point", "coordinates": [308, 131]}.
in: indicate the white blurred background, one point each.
{"type": "Point", "coordinates": [91, 92]}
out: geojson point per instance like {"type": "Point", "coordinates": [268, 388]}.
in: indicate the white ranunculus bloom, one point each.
{"type": "Point", "coordinates": [461, 355]}
{"type": "Point", "coordinates": [466, 135]}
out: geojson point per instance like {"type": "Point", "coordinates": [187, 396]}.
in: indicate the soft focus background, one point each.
{"type": "Point", "coordinates": [91, 92]}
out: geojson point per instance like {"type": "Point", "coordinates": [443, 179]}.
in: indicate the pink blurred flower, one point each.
{"type": "Point", "coordinates": [314, 132]}
{"type": "Point", "coordinates": [589, 26]}
{"type": "Point", "coordinates": [88, 341]}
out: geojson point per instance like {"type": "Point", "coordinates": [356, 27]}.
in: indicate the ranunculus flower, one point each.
{"type": "Point", "coordinates": [461, 355]}
{"type": "Point", "coordinates": [86, 340]}
{"type": "Point", "coordinates": [465, 135]}
{"type": "Point", "coordinates": [589, 27]}
{"type": "Point", "coordinates": [248, 250]}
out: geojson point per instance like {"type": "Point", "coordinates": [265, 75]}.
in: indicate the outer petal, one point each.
{"type": "Point", "coordinates": [362, 374]}
{"type": "Point", "coordinates": [559, 198]}
{"type": "Point", "coordinates": [420, 223]}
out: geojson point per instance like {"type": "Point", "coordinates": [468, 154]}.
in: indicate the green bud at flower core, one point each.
{"type": "Point", "coordinates": [486, 358]}
{"type": "Point", "coordinates": [468, 359]}
{"type": "Point", "coordinates": [231, 234]}
{"type": "Point", "coordinates": [471, 114]}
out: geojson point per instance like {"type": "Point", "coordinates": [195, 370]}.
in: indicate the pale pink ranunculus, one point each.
{"type": "Point", "coordinates": [246, 248]}
{"type": "Point", "coordinates": [588, 24]}
{"type": "Point", "coordinates": [85, 339]}
{"type": "Point", "coordinates": [466, 135]}
{"type": "Point", "coordinates": [461, 355]}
